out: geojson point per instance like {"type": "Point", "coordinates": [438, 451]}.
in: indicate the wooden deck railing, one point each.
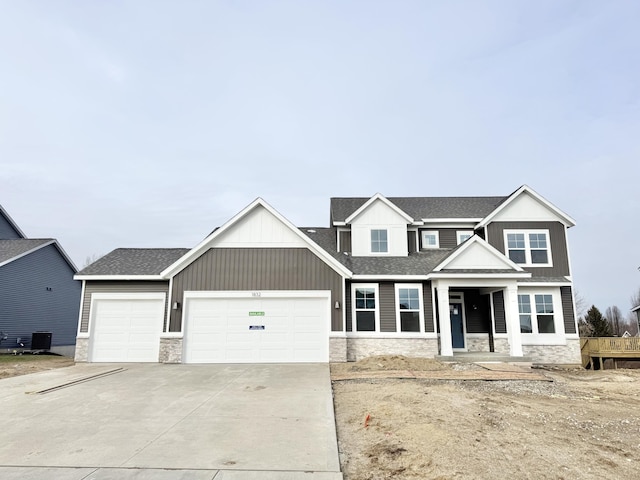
{"type": "Point", "coordinates": [608, 347]}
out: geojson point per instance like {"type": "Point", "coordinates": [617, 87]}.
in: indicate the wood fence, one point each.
{"type": "Point", "coordinates": [608, 347]}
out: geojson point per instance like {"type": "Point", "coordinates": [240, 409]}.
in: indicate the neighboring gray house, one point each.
{"type": "Point", "coordinates": [37, 291]}
{"type": "Point", "coordinates": [419, 276]}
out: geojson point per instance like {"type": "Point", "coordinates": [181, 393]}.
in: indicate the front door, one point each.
{"type": "Point", "coordinates": [457, 325]}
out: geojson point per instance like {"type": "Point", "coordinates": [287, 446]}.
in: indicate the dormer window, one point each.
{"type": "Point", "coordinates": [379, 242]}
{"type": "Point", "coordinates": [430, 239]}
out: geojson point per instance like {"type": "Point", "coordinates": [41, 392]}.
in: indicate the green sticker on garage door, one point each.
{"type": "Point", "coordinates": [256, 314]}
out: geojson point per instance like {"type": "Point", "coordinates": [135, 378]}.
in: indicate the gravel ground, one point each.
{"type": "Point", "coordinates": [14, 365]}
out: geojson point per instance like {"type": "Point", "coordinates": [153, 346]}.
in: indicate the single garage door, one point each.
{"type": "Point", "coordinates": [126, 329]}
{"type": "Point", "coordinates": [256, 330]}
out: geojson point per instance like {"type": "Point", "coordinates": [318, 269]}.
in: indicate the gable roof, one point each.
{"type": "Point", "coordinates": [10, 221]}
{"type": "Point", "coordinates": [132, 262]}
{"type": "Point", "coordinates": [422, 207]}
{"type": "Point", "coordinates": [476, 242]}
{"type": "Point", "coordinates": [11, 250]}
{"type": "Point", "coordinates": [525, 189]}
{"type": "Point", "coordinates": [203, 246]}
{"type": "Point", "coordinates": [371, 201]}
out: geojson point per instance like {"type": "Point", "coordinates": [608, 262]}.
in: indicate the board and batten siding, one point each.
{"type": "Point", "coordinates": [427, 298]}
{"type": "Point", "coordinates": [130, 286]}
{"type": "Point", "coordinates": [256, 269]}
{"type": "Point", "coordinates": [567, 310]}
{"type": "Point", "coordinates": [39, 294]}
{"type": "Point", "coordinates": [498, 312]}
{"type": "Point", "coordinates": [557, 241]}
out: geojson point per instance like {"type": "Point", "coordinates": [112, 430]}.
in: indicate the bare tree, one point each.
{"type": "Point", "coordinates": [635, 298]}
{"type": "Point", "coordinates": [90, 259]}
{"type": "Point", "coordinates": [616, 319]}
{"type": "Point", "coordinates": [581, 304]}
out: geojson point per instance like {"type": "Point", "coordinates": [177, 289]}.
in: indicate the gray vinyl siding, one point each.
{"type": "Point", "coordinates": [38, 293]}
{"type": "Point", "coordinates": [447, 236]}
{"type": "Point", "coordinates": [557, 241]}
{"type": "Point", "coordinates": [498, 312]}
{"type": "Point", "coordinates": [7, 232]}
{"type": "Point", "coordinates": [345, 242]}
{"type": "Point", "coordinates": [348, 305]}
{"type": "Point", "coordinates": [122, 286]}
{"type": "Point", "coordinates": [567, 310]}
{"type": "Point", "coordinates": [247, 269]}
{"type": "Point", "coordinates": [411, 241]}
{"type": "Point", "coordinates": [387, 295]}
{"type": "Point", "coordinates": [476, 318]}
{"type": "Point", "coordinates": [427, 297]}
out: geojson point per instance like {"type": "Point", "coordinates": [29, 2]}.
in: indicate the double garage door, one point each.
{"type": "Point", "coordinates": [218, 328]}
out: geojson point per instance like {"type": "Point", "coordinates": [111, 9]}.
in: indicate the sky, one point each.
{"type": "Point", "coordinates": [148, 123]}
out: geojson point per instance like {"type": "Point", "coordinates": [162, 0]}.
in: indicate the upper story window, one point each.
{"type": "Point", "coordinates": [536, 313]}
{"type": "Point", "coordinates": [430, 239]}
{"type": "Point", "coordinates": [462, 235]}
{"type": "Point", "coordinates": [528, 247]}
{"type": "Point", "coordinates": [365, 308]}
{"type": "Point", "coordinates": [379, 241]}
{"type": "Point", "coordinates": [409, 308]}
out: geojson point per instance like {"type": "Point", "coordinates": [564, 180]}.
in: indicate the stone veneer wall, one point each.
{"type": "Point", "coordinates": [82, 350]}
{"type": "Point", "coordinates": [477, 344]}
{"type": "Point", "coordinates": [555, 354]}
{"type": "Point", "coordinates": [358, 348]}
{"type": "Point", "coordinates": [170, 350]}
{"type": "Point", "coordinates": [501, 345]}
{"type": "Point", "coordinates": [337, 349]}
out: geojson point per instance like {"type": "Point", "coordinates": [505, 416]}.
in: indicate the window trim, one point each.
{"type": "Point", "coordinates": [436, 233]}
{"type": "Point", "coordinates": [371, 230]}
{"type": "Point", "coordinates": [527, 246]}
{"type": "Point", "coordinates": [459, 233]}
{"type": "Point", "coordinates": [417, 286]}
{"type": "Point", "coordinates": [558, 316]}
{"type": "Point", "coordinates": [354, 320]}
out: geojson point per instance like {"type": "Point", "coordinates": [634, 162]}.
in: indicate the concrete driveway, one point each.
{"type": "Point", "coordinates": [169, 422]}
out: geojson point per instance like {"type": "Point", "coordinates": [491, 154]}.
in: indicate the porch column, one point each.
{"type": "Point", "coordinates": [512, 317]}
{"type": "Point", "coordinates": [446, 344]}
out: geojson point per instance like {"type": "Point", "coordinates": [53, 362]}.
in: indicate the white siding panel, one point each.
{"type": "Point", "coordinates": [525, 208]}
{"type": "Point", "coordinates": [478, 257]}
{"type": "Point", "coordinates": [379, 216]}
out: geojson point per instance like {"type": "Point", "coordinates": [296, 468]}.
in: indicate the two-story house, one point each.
{"type": "Point", "coordinates": [418, 276]}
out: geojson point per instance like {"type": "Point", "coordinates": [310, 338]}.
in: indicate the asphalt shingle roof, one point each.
{"type": "Point", "coordinates": [10, 249]}
{"type": "Point", "coordinates": [423, 207]}
{"type": "Point", "coordinates": [134, 261]}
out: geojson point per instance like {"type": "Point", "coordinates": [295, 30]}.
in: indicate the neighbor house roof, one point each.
{"type": "Point", "coordinates": [11, 250]}
{"type": "Point", "coordinates": [13, 224]}
{"type": "Point", "coordinates": [134, 261]}
{"type": "Point", "coordinates": [423, 207]}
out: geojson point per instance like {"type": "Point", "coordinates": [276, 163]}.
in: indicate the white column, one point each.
{"type": "Point", "coordinates": [512, 317]}
{"type": "Point", "coordinates": [446, 344]}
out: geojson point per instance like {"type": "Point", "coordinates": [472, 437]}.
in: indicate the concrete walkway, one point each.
{"type": "Point", "coordinates": [228, 422]}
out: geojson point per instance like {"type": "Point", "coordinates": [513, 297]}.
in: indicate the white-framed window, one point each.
{"type": "Point", "coordinates": [462, 235]}
{"type": "Point", "coordinates": [430, 238]}
{"type": "Point", "coordinates": [528, 247]}
{"type": "Point", "coordinates": [365, 307]}
{"type": "Point", "coordinates": [379, 240]}
{"type": "Point", "coordinates": [537, 314]}
{"type": "Point", "coordinates": [409, 311]}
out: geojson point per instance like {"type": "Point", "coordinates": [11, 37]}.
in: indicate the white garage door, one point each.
{"type": "Point", "coordinates": [256, 330]}
{"type": "Point", "coordinates": [126, 330]}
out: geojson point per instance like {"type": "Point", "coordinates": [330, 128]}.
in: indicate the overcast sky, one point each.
{"type": "Point", "coordinates": [148, 123]}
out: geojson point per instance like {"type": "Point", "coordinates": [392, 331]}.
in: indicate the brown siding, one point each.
{"type": "Point", "coordinates": [411, 241]}
{"type": "Point", "coordinates": [448, 238]}
{"type": "Point", "coordinates": [567, 310]}
{"type": "Point", "coordinates": [257, 269]}
{"type": "Point", "coordinates": [428, 307]}
{"type": "Point", "coordinates": [345, 242]}
{"type": "Point", "coordinates": [387, 307]}
{"type": "Point", "coordinates": [118, 287]}
{"type": "Point", "coordinates": [498, 312]}
{"type": "Point", "coordinates": [557, 240]}
{"type": "Point", "coordinates": [348, 305]}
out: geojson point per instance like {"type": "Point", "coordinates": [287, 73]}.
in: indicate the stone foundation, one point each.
{"type": "Point", "coordinates": [555, 354]}
{"type": "Point", "coordinates": [358, 348]}
{"type": "Point", "coordinates": [478, 344]}
{"type": "Point", "coordinates": [501, 345]}
{"type": "Point", "coordinates": [82, 350]}
{"type": "Point", "coordinates": [337, 349]}
{"type": "Point", "coordinates": [170, 350]}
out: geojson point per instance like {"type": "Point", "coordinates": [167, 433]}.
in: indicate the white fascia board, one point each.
{"type": "Point", "coordinates": [635, 309]}
{"type": "Point", "coordinates": [339, 224]}
{"type": "Point", "coordinates": [466, 245]}
{"type": "Point", "coordinates": [383, 199]}
{"type": "Point", "coordinates": [29, 252]}
{"type": "Point", "coordinates": [566, 219]}
{"type": "Point", "coordinates": [11, 222]}
{"type": "Point", "coordinates": [486, 276]}
{"type": "Point", "coordinates": [448, 221]}
{"type": "Point", "coordinates": [195, 252]}
{"type": "Point", "coordinates": [119, 277]}
{"type": "Point", "coordinates": [390, 277]}
{"type": "Point", "coordinates": [545, 284]}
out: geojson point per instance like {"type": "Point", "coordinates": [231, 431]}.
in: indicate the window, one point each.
{"type": "Point", "coordinates": [409, 311]}
{"type": "Point", "coordinates": [430, 239]}
{"type": "Point", "coordinates": [364, 318]}
{"type": "Point", "coordinates": [539, 319]}
{"type": "Point", "coordinates": [529, 247]}
{"type": "Point", "coordinates": [463, 235]}
{"type": "Point", "coordinates": [379, 243]}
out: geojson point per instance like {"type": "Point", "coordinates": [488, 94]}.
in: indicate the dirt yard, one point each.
{"type": "Point", "coordinates": [572, 424]}
{"type": "Point", "coordinates": [14, 365]}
